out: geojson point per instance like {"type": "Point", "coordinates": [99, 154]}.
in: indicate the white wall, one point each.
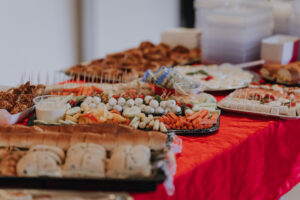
{"type": "Point", "coordinates": [114, 25]}
{"type": "Point", "coordinates": [36, 35]}
{"type": "Point", "coordinates": [42, 35]}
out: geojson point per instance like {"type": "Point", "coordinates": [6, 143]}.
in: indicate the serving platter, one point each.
{"type": "Point", "coordinates": [255, 113]}
{"type": "Point", "coordinates": [161, 161]}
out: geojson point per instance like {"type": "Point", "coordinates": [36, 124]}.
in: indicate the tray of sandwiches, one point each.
{"type": "Point", "coordinates": [105, 157]}
{"type": "Point", "coordinates": [288, 74]}
{"type": "Point", "coordinates": [268, 100]}
{"type": "Point", "coordinates": [139, 107]}
{"type": "Point", "coordinates": [133, 63]}
{"type": "Point", "coordinates": [17, 103]}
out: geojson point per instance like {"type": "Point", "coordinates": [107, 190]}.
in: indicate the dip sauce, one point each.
{"type": "Point", "coordinates": [50, 112]}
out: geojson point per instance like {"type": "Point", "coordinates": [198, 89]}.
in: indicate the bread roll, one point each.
{"type": "Point", "coordinates": [52, 149]}
{"type": "Point", "coordinates": [51, 139]}
{"type": "Point", "coordinates": [128, 161]}
{"type": "Point", "coordinates": [38, 164]}
{"type": "Point", "coordinates": [270, 71]}
{"type": "Point", "coordinates": [120, 135]}
{"type": "Point", "coordinates": [289, 74]}
{"type": "Point", "coordinates": [64, 141]}
{"type": "Point", "coordinates": [20, 128]}
{"type": "Point", "coordinates": [116, 165]}
{"type": "Point", "coordinates": [87, 160]}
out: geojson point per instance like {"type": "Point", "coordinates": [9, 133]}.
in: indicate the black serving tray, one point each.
{"type": "Point", "coordinates": [197, 132]}
{"type": "Point", "coordinates": [84, 184]}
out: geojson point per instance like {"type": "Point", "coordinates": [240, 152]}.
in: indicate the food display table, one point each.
{"type": "Point", "coordinates": [250, 157]}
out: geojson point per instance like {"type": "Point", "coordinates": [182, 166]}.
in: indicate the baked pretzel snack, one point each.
{"type": "Point", "coordinates": [135, 62]}
{"type": "Point", "coordinates": [107, 135]}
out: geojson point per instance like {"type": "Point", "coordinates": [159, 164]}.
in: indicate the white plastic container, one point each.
{"type": "Point", "coordinates": [204, 6]}
{"type": "Point", "coordinates": [188, 37]}
{"type": "Point", "coordinates": [282, 10]}
{"type": "Point", "coordinates": [233, 33]}
{"type": "Point", "coordinates": [280, 49]}
{"type": "Point", "coordinates": [50, 108]}
{"type": "Point", "coordinates": [294, 21]}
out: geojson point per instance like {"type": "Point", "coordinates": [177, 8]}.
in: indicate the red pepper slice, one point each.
{"type": "Point", "coordinates": [116, 97]}
{"type": "Point", "coordinates": [72, 103]}
{"type": "Point", "coordinates": [91, 116]}
{"type": "Point", "coordinates": [293, 104]}
{"type": "Point", "coordinates": [141, 96]}
{"type": "Point", "coordinates": [189, 105]}
{"type": "Point", "coordinates": [208, 78]}
{"type": "Point", "coordinates": [254, 83]}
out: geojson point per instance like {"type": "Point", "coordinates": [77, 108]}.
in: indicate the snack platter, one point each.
{"type": "Point", "coordinates": [138, 107]}
{"type": "Point", "coordinates": [266, 100]}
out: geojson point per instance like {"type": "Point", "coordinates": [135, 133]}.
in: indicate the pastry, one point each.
{"type": "Point", "coordinates": [108, 135]}
{"type": "Point", "coordinates": [133, 63]}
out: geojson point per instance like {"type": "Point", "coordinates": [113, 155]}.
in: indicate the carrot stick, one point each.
{"type": "Point", "coordinates": [172, 115]}
{"type": "Point", "coordinates": [115, 111]}
{"type": "Point", "coordinates": [195, 115]}
{"type": "Point", "coordinates": [70, 89]}
{"type": "Point", "coordinates": [96, 89]}
{"type": "Point", "coordinates": [203, 114]}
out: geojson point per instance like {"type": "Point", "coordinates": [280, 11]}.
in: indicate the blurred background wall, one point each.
{"type": "Point", "coordinates": [50, 35]}
{"type": "Point", "coordinates": [115, 25]}
{"type": "Point", "coordinates": [36, 35]}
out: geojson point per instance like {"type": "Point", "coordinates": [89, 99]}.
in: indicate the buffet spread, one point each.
{"type": "Point", "coordinates": [117, 135]}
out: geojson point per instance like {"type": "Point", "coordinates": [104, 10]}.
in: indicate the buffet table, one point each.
{"type": "Point", "coordinates": [250, 157]}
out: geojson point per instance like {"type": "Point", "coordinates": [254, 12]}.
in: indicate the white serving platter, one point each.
{"type": "Point", "coordinates": [253, 112]}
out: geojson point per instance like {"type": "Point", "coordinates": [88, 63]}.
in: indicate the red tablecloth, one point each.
{"type": "Point", "coordinates": [250, 157]}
